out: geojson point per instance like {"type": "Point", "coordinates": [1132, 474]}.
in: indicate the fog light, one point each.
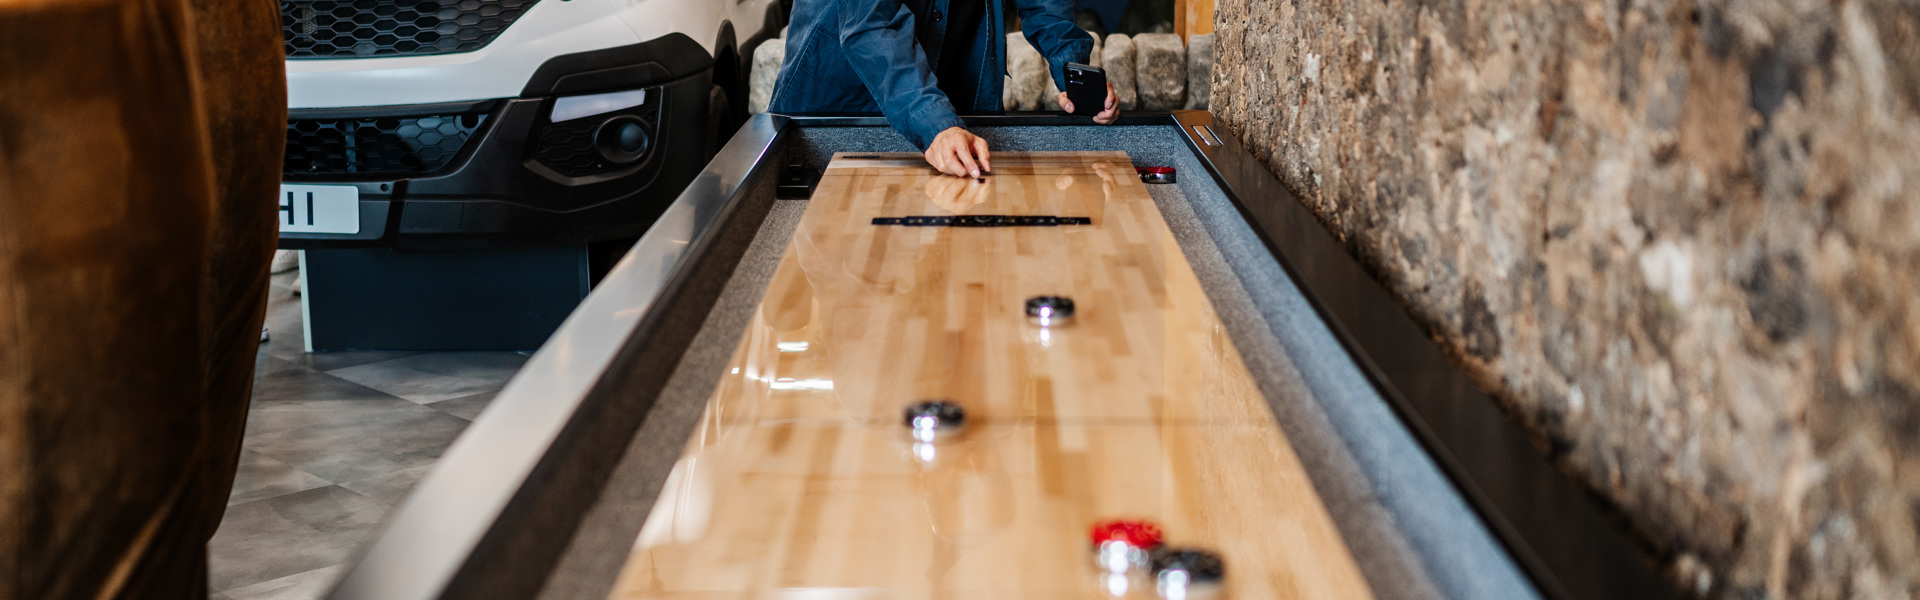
{"type": "Point", "coordinates": [623, 139]}
{"type": "Point", "coordinates": [630, 138]}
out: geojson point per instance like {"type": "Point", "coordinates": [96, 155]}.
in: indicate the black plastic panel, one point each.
{"type": "Point", "coordinates": [652, 62]}
{"type": "Point", "coordinates": [483, 300]}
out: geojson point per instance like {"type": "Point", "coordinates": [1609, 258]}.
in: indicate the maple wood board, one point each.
{"type": "Point", "coordinates": [802, 482]}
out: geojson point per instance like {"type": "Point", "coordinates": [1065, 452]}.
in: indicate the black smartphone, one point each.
{"type": "Point", "coordinates": [1086, 88]}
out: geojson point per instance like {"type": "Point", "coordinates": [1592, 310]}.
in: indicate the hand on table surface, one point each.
{"type": "Point", "coordinates": [1107, 116]}
{"type": "Point", "coordinates": [958, 153]}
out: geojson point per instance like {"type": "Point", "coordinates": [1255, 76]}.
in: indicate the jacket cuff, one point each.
{"type": "Point", "coordinates": [1079, 51]}
{"type": "Point", "coordinates": [928, 122]}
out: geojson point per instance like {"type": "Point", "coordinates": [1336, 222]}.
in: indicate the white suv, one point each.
{"type": "Point", "coordinates": [466, 123]}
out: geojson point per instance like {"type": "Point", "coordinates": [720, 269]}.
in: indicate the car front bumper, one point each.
{"type": "Point", "coordinates": [501, 173]}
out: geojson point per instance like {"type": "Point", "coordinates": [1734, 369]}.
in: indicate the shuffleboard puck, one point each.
{"type": "Point", "coordinates": [1187, 572]}
{"type": "Point", "coordinates": [1050, 311]}
{"type": "Point", "coordinates": [932, 418]}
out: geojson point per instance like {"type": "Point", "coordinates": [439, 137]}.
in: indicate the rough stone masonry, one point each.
{"type": "Point", "coordinates": [1679, 240]}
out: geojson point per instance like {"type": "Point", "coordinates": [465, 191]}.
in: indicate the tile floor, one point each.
{"type": "Point", "coordinates": [334, 441]}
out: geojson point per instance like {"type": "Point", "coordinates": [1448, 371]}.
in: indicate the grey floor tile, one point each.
{"type": "Point", "coordinates": [331, 361]}
{"type": "Point", "coordinates": [390, 488]}
{"type": "Point", "coordinates": [310, 585]}
{"type": "Point", "coordinates": [276, 380]}
{"type": "Point", "coordinates": [352, 417]}
{"type": "Point", "coordinates": [261, 477]}
{"type": "Point", "coordinates": [364, 445]}
{"type": "Point", "coordinates": [436, 377]}
{"type": "Point", "coordinates": [286, 535]}
{"type": "Point", "coordinates": [466, 407]}
{"type": "Point", "coordinates": [286, 415]}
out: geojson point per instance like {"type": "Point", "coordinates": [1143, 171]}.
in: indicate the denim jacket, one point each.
{"type": "Point", "coordinates": [861, 57]}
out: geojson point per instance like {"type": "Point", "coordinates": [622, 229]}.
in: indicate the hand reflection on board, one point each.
{"type": "Point", "coordinates": [957, 195]}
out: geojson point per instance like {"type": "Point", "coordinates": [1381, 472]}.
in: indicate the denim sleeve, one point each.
{"type": "Point", "coordinates": [877, 37]}
{"type": "Point", "coordinates": [1049, 27]}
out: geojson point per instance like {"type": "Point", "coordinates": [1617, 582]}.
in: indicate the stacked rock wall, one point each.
{"type": "Point", "coordinates": [1680, 241]}
{"type": "Point", "coordinates": [1117, 58]}
{"type": "Point", "coordinates": [1152, 72]}
{"type": "Point", "coordinates": [766, 70]}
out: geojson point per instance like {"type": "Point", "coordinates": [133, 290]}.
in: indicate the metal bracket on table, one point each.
{"type": "Point", "coordinates": [797, 181]}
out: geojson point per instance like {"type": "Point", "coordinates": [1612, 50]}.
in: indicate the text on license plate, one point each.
{"type": "Point", "coordinates": [319, 208]}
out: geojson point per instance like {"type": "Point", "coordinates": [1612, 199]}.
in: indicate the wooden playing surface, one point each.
{"type": "Point", "coordinates": [801, 481]}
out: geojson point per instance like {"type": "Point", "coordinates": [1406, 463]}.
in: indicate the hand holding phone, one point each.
{"type": "Point", "coordinates": [1086, 88]}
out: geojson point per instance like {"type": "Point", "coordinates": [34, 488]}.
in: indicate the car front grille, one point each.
{"type": "Point", "coordinates": [365, 28]}
{"type": "Point", "coordinates": [393, 145]}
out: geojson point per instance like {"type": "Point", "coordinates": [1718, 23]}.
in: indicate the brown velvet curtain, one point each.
{"type": "Point", "coordinates": [243, 78]}
{"type": "Point", "coordinates": [135, 231]}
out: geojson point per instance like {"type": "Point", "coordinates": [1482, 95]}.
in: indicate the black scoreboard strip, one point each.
{"type": "Point", "coordinates": [983, 221]}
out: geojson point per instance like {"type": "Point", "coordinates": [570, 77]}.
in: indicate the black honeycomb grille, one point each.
{"type": "Point", "coordinates": [362, 28]}
{"type": "Point", "coordinates": [568, 148]}
{"type": "Point", "coordinates": [377, 145]}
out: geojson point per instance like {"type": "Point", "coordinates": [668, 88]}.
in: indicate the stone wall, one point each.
{"type": "Point", "coordinates": [1679, 240]}
{"type": "Point", "coordinates": [1162, 74]}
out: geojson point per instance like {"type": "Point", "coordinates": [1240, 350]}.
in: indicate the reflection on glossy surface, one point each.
{"type": "Point", "coordinates": [957, 195]}
{"type": "Point", "coordinates": [804, 481]}
{"type": "Point", "coordinates": [1117, 584]}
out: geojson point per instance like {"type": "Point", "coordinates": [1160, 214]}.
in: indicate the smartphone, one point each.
{"type": "Point", "coordinates": [1087, 88]}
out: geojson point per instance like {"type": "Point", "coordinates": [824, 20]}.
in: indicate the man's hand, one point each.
{"type": "Point", "coordinates": [958, 153]}
{"type": "Point", "coordinates": [1107, 116]}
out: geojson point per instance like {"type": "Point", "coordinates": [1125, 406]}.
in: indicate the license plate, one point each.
{"type": "Point", "coordinates": [319, 209]}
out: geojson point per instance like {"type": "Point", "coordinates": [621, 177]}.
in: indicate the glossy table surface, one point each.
{"type": "Point", "coordinates": [802, 481]}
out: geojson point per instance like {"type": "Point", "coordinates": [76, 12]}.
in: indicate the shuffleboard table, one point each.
{"type": "Point", "coordinates": [830, 372]}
